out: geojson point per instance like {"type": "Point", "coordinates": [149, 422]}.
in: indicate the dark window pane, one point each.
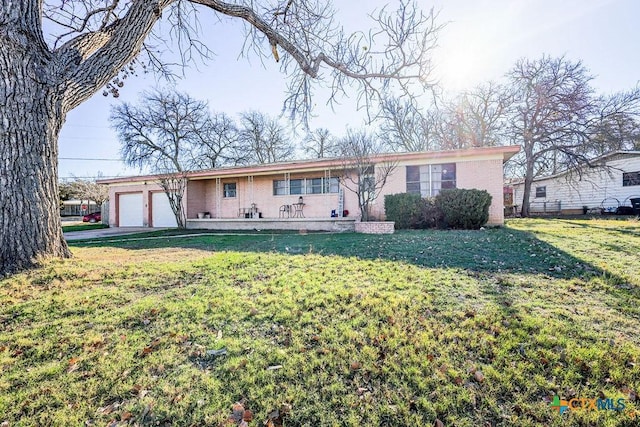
{"type": "Point", "coordinates": [413, 179]}
{"type": "Point", "coordinates": [541, 191]}
{"type": "Point", "coordinates": [279, 188]}
{"type": "Point", "coordinates": [295, 186]}
{"type": "Point", "coordinates": [449, 172]}
{"type": "Point", "coordinates": [413, 187]}
{"type": "Point", "coordinates": [229, 189]}
{"type": "Point", "coordinates": [630, 178]}
{"type": "Point", "coordinates": [334, 185]}
{"type": "Point", "coordinates": [314, 186]}
{"type": "Point", "coordinates": [413, 173]}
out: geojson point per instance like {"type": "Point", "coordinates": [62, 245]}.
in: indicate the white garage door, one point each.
{"type": "Point", "coordinates": [130, 210]}
{"type": "Point", "coordinates": [161, 213]}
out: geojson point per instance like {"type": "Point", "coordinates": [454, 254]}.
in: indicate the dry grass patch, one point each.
{"type": "Point", "coordinates": [471, 328]}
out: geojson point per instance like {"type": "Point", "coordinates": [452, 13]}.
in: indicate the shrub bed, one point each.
{"type": "Point", "coordinates": [454, 208]}
{"type": "Point", "coordinates": [466, 209]}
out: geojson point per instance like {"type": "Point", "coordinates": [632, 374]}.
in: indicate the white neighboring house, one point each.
{"type": "Point", "coordinates": [601, 188]}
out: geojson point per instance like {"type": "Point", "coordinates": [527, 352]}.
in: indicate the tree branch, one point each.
{"type": "Point", "coordinates": [92, 59]}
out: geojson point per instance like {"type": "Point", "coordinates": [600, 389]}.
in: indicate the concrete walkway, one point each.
{"type": "Point", "coordinates": [107, 232]}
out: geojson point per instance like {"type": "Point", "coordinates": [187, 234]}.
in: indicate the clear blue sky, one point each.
{"type": "Point", "coordinates": [482, 40]}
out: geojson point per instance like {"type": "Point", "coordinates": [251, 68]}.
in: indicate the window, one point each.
{"type": "Point", "coordinates": [280, 188]}
{"type": "Point", "coordinates": [630, 178]}
{"type": "Point", "coordinates": [314, 186]}
{"type": "Point", "coordinates": [331, 185]}
{"type": "Point", "coordinates": [306, 186]}
{"type": "Point", "coordinates": [229, 189]}
{"type": "Point", "coordinates": [369, 186]}
{"type": "Point", "coordinates": [541, 191]}
{"type": "Point", "coordinates": [428, 180]}
{"type": "Point", "coordinates": [295, 186]}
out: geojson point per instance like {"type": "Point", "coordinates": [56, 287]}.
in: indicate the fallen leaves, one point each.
{"type": "Point", "coordinates": [151, 347]}
{"type": "Point", "coordinates": [276, 418]}
{"type": "Point", "coordinates": [73, 365]}
{"type": "Point", "coordinates": [240, 416]}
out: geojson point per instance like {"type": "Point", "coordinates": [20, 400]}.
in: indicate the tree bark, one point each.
{"type": "Point", "coordinates": [30, 121]}
{"type": "Point", "coordinates": [528, 181]}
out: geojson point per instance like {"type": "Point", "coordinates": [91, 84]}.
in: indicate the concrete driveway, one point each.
{"type": "Point", "coordinates": [106, 232]}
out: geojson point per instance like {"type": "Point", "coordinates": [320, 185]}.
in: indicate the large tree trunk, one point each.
{"type": "Point", "coordinates": [528, 182]}
{"type": "Point", "coordinates": [526, 202]}
{"type": "Point", "coordinates": [30, 120]}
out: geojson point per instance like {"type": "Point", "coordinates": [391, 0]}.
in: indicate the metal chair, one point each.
{"type": "Point", "coordinates": [284, 210]}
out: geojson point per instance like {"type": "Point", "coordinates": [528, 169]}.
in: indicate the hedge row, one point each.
{"type": "Point", "coordinates": [453, 208]}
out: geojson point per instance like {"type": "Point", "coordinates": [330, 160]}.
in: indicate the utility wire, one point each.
{"type": "Point", "coordinates": [93, 159]}
{"type": "Point", "coordinates": [91, 177]}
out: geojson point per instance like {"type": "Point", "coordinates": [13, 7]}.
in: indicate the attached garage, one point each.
{"type": "Point", "coordinates": [130, 210]}
{"type": "Point", "coordinates": [161, 213]}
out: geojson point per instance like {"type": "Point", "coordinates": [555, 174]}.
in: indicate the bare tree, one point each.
{"type": "Point", "coordinates": [319, 144]}
{"type": "Point", "coordinates": [91, 44]}
{"type": "Point", "coordinates": [616, 125]}
{"type": "Point", "coordinates": [218, 144]}
{"type": "Point", "coordinates": [553, 102]}
{"type": "Point", "coordinates": [89, 190]}
{"type": "Point", "coordinates": [174, 186]}
{"type": "Point", "coordinates": [362, 173]}
{"type": "Point", "coordinates": [406, 127]}
{"type": "Point", "coordinates": [475, 118]}
{"type": "Point", "coordinates": [165, 134]}
{"type": "Point", "coordinates": [263, 139]}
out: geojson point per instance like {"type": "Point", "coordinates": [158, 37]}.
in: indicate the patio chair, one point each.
{"type": "Point", "coordinates": [284, 211]}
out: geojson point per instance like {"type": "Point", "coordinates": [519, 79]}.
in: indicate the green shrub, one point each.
{"type": "Point", "coordinates": [403, 208]}
{"type": "Point", "coordinates": [464, 209]}
{"type": "Point", "coordinates": [429, 215]}
{"type": "Point", "coordinates": [411, 211]}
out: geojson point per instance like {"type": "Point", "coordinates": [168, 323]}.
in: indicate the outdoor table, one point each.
{"type": "Point", "coordinates": [298, 210]}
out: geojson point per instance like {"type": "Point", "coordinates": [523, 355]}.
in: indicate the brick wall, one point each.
{"type": "Point", "coordinates": [375, 227]}
{"type": "Point", "coordinates": [484, 175]}
{"type": "Point", "coordinates": [195, 197]}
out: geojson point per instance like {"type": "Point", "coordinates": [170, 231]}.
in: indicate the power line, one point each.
{"type": "Point", "coordinates": [84, 138]}
{"type": "Point", "coordinates": [91, 177]}
{"type": "Point", "coordinates": [86, 126]}
{"type": "Point", "coordinates": [93, 159]}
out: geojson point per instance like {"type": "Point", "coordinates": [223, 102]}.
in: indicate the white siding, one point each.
{"type": "Point", "coordinates": [596, 185]}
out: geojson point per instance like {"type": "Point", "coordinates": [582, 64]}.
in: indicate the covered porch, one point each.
{"type": "Point", "coordinates": [295, 224]}
{"type": "Point", "coordinates": [280, 197]}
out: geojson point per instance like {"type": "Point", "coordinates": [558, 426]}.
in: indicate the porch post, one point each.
{"type": "Point", "coordinates": [250, 185]}
{"type": "Point", "coordinates": [287, 182]}
{"type": "Point", "coordinates": [218, 197]}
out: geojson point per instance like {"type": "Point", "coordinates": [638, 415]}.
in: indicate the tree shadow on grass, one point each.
{"type": "Point", "coordinates": [484, 254]}
{"type": "Point", "coordinates": [502, 250]}
{"type": "Point", "coordinates": [535, 301]}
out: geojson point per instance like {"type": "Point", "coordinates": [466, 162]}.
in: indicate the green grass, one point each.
{"type": "Point", "coordinates": [83, 227]}
{"type": "Point", "coordinates": [473, 328]}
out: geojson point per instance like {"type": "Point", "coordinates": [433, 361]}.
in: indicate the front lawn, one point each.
{"type": "Point", "coordinates": [83, 227]}
{"type": "Point", "coordinates": [473, 328]}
